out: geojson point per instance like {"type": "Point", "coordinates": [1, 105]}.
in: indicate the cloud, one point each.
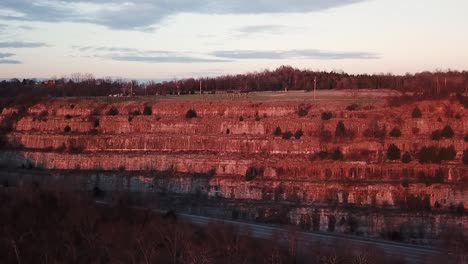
{"type": "Point", "coordinates": [26, 27]}
{"type": "Point", "coordinates": [292, 54]}
{"type": "Point", "coordinates": [166, 59]}
{"type": "Point", "coordinates": [271, 29]}
{"type": "Point", "coordinates": [147, 56]}
{"type": "Point", "coordinates": [9, 61]}
{"type": "Point", "coordinates": [6, 55]}
{"type": "Point", "coordinates": [164, 56]}
{"type": "Point", "coordinates": [140, 14]}
{"type": "Point", "coordinates": [20, 44]}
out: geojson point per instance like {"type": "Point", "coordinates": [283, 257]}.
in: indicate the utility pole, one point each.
{"type": "Point", "coordinates": [200, 86]}
{"type": "Point", "coordinates": [315, 86]}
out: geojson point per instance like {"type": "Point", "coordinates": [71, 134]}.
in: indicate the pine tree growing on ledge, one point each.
{"type": "Point", "coordinates": [191, 114]}
{"type": "Point", "coordinates": [251, 174]}
{"type": "Point", "coordinates": [113, 112]}
{"type": "Point", "coordinates": [406, 158]}
{"type": "Point", "coordinates": [393, 152]}
{"type": "Point", "coordinates": [147, 110]}
{"type": "Point", "coordinates": [447, 132]}
{"type": "Point", "coordinates": [278, 132]}
{"type": "Point", "coordinates": [340, 130]}
{"type": "Point", "coordinates": [416, 113]}
{"type": "Point", "coordinates": [395, 132]}
{"type": "Point", "coordinates": [298, 134]}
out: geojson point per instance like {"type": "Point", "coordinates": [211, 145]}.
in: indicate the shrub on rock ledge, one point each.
{"type": "Point", "coordinates": [113, 112]}
{"type": "Point", "coordinates": [148, 110]}
{"type": "Point", "coordinates": [278, 132]}
{"type": "Point", "coordinates": [416, 113]}
{"type": "Point", "coordinates": [191, 114]}
{"type": "Point", "coordinates": [340, 130]}
{"type": "Point", "coordinates": [393, 152]}
{"type": "Point", "coordinates": [436, 135]}
{"type": "Point", "coordinates": [67, 129]}
{"type": "Point", "coordinates": [251, 174]}
{"type": "Point", "coordinates": [396, 133]}
{"type": "Point", "coordinates": [298, 134]}
{"type": "Point", "coordinates": [406, 158]}
{"type": "Point", "coordinates": [352, 107]}
{"type": "Point", "coordinates": [327, 116]}
{"type": "Point", "coordinates": [447, 132]}
{"type": "Point", "coordinates": [337, 154]}
{"type": "Point", "coordinates": [303, 110]}
{"type": "Point", "coordinates": [287, 135]}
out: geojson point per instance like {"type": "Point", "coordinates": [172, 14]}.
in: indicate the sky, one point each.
{"type": "Point", "coordinates": [170, 39]}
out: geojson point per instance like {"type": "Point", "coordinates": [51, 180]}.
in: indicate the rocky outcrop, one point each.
{"type": "Point", "coordinates": [229, 151]}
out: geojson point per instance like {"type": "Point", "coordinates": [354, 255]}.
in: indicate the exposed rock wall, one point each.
{"type": "Point", "coordinates": [233, 143]}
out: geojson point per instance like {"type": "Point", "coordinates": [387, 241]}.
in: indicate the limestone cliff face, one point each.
{"type": "Point", "coordinates": [234, 143]}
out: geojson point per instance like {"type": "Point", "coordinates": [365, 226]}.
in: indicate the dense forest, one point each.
{"type": "Point", "coordinates": [436, 84]}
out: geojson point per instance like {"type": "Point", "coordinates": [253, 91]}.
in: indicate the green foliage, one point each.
{"type": "Point", "coordinates": [465, 157]}
{"type": "Point", "coordinates": [393, 152]}
{"type": "Point", "coordinates": [251, 174]}
{"type": "Point", "coordinates": [416, 113]}
{"type": "Point", "coordinates": [406, 158]}
{"type": "Point", "coordinates": [436, 135]}
{"type": "Point", "coordinates": [67, 129]}
{"type": "Point", "coordinates": [43, 115]}
{"type": "Point", "coordinates": [96, 123]}
{"type": "Point", "coordinates": [278, 132]}
{"type": "Point", "coordinates": [287, 135]}
{"type": "Point", "coordinates": [415, 203]}
{"type": "Point", "coordinates": [228, 131]}
{"type": "Point", "coordinates": [405, 183]}
{"type": "Point", "coordinates": [352, 107]}
{"type": "Point", "coordinates": [447, 132]}
{"type": "Point", "coordinates": [337, 154]}
{"type": "Point", "coordinates": [340, 130]}
{"type": "Point", "coordinates": [113, 111]}
{"type": "Point", "coordinates": [68, 117]}
{"type": "Point", "coordinates": [327, 115]}
{"type": "Point", "coordinates": [447, 153]}
{"type": "Point", "coordinates": [298, 134]}
{"type": "Point", "coordinates": [136, 113]}
{"type": "Point", "coordinates": [303, 110]}
{"type": "Point", "coordinates": [241, 118]}
{"type": "Point", "coordinates": [428, 180]}
{"type": "Point", "coordinates": [191, 114]}
{"type": "Point", "coordinates": [436, 155]}
{"type": "Point", "coordinates": [148, 110]}
{"type": "Point", "coordinates": [396, 133]}
{"type": "Point", "coordinates": [323, 154]}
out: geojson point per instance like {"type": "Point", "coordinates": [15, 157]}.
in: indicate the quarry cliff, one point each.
{"type": "Point", "coordinates": [318, 158]}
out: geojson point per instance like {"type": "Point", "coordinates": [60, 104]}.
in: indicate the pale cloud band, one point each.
{"type": "Point", "coordinates": [139, 14]}
{"type": "Point", "coordinates": [158, 56]}
{"type": "Point", "coordinates": [20, 44]}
